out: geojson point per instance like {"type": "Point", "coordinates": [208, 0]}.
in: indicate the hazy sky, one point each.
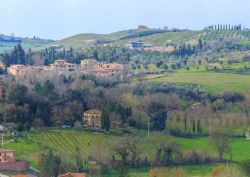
{"type": "Point", "coordinates": [57, 19]}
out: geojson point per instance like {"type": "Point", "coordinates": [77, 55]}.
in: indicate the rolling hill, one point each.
{"type": "Point", "coordinates": [7, 43]}
{"type": "Point", "coordinates": [154, 37]}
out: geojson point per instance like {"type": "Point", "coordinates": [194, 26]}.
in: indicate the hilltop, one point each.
{"type": "Point", "coordinates": [150, 36]}
{"type": "Point", "coordinates": [7, 43]}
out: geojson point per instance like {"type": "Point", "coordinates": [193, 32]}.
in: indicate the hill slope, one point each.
{"type": "Point", "coordinates": [7, 43]}
{"type": "Point", "coordinates": [157, 38]}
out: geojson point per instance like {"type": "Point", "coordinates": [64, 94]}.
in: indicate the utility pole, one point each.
{"type": "Point", "coordinates": [2, 140]}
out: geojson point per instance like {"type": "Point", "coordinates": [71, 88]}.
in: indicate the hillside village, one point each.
{"type": "Point", "coordinates": [88, 67]}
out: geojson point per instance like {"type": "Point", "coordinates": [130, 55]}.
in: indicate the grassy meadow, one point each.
{"type": "Point", "coordinates": [64, 142]}
{"type": "Point", "coordinates": [194, 170]}
{"type": "Point", "coordinates": [213, 82]}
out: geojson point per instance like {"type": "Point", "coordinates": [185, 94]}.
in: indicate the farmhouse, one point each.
{"type": "Point", "coordinates": [7, 155]}
{"type": "Point", "coordinates": [8, 162]}
{"type": "Point", "coordinates": [16, 70]}
{"type": "Point", "coordinates": [88, 63]}
{"type": "Point", "coordinates": [110, 69]}
{"type": "Point", "coordinates": [63, 65]}
{"type": "Point", "coordinates": [26, 72]}
{"type": "Point", "coordinates": [92, 118]}
{"type": "Point", "coordinates": [135, 45]}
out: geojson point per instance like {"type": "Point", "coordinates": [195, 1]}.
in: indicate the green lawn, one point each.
{"type": "Point", "coordinates": [194, 170]}
{"type": "Point", "coordinates": [211, 81]}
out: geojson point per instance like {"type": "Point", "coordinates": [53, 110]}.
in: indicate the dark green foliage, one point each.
{"type": "Point", "coordinates": [17, 56]}
{"type": "Point", "coordinates": [78, 161]}
{"type": "Point", "coordinates": [199, 129]}
{"type": "Point", "coordinates": [144, 33]}
{"type": "Point", "coordinates": [105, 121]}
{"type": "Point", "coordinates": [17, 94]}
{"type": "Point", "coordinates": [48, 87]}
{"type": "Point", "coordinates": [194, 129]}
{"type": "Point", "coordinates": [233, 97]}
{"type": "Point", "coordinates": [245, 166]}
{"type": "Point", "coordinates": [49, 164]}
{"type": "Point", "coordinates": [159, 64]}
{"type": "Point", "coordinates": [158, 116]}
{"type": "Point", "coordinates": [165, 153]}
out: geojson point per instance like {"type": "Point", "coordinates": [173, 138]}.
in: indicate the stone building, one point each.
{"type": "Point", "coordinates": [8, 162]}
{"type": "Point", "coordinates": [88, 63]}
{"type": "Point", "coordinates": [63, 65]}
{"type": "Point", "coordinates": [109, 69]}
{"type": "Point", "coordinates": [92, 118]}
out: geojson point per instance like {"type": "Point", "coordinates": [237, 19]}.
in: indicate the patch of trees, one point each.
{"type": "Point", "coordinates": [182, 91]}
{"type": "Point", "coordinates": [52, 164]}
{"type": "Point", "coordinates": [233, 97]}
{"type": "Point", "coordinates": [17, 56]}
{"type": "Point", "coordinates": [144, 33]}
{"type": "Point", "coordinates": [224, 27]}
{"type": "Point", "coordinates": [49, 55]}
{"type": "Point", "coordinates": [128, 153]}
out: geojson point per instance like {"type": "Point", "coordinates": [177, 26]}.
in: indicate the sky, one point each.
{"type": "Point", "coordinates": [57, 19]}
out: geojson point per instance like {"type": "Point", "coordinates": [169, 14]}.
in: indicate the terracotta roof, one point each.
{"type": "Point", "coordinates": [19, 176]}
{"type": "Point", "coordinates": [5, 150]}
{"type": "Point", "coordinates": [93, 111]}
{"type": "Point", "coordinates": [73, 175]}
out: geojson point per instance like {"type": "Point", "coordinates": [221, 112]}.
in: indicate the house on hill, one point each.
{"type": "Point", "coordinates": [109, 69]}
{"type": "Point", "coordinates": [8, 161]}
{"type": "Point", "coordinates": [88, 63]}
{"type": "Point", "coordinates": [63, 65]}
{"type": "Point", "coordinates": [92, 118]}
{"type": "Point", "coordinates": [73, 175]}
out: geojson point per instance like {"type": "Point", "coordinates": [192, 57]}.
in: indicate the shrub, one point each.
{"type": "Point", "coordinates": [233, 97]}
{"type": "Point", "coordinates": [245, 166]}
{"type": "Point", "coordinates": [132, 122]}
{"type": "Point", "coordinates": [178, 172]}
{"type": "Point", "coordinates": [195, 157]}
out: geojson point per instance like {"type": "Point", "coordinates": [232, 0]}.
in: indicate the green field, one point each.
{"type": "Point", "coordinates": [213, 82]}
{"type": "Point", "coordinates": [65, 142]}
{"type": "Point", "coordinates": [88, 39]}
{"type": "Point", "coordinates": [194, 170]}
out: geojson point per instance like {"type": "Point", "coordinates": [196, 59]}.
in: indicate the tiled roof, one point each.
{"type": "Point", "coordinates": [5, 150]}
{"type": "Point", "coordinates": [93, 111]}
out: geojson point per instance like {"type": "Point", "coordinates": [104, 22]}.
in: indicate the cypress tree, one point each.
{"type": "Point", "coordinates": [105, 121]}
{"type": "Point", "coordinates": [193, 126]}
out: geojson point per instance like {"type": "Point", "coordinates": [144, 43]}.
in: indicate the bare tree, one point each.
{"type": "Point", "coordinates": [221, 142]}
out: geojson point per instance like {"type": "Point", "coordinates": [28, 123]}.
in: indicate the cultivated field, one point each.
{"type": "Point", "coordinates": [64, 142]}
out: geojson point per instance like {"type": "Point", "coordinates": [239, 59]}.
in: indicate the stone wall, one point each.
{"type": "Point", "coordinates": [17, 166]}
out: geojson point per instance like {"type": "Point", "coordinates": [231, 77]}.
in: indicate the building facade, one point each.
{"type": "Point", "coordinates": [92, 118]}
{"type": "Point", "coordinates": [63, 65]}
